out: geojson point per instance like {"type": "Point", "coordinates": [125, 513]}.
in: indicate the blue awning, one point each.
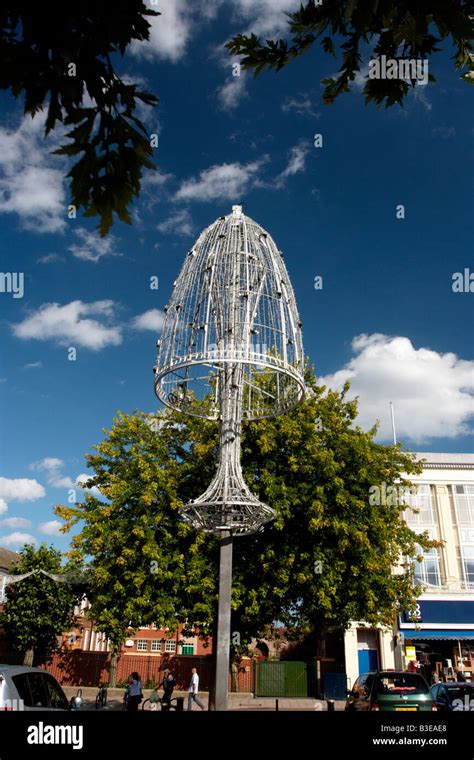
{"type": "Point", "coordinates": [439, 634]}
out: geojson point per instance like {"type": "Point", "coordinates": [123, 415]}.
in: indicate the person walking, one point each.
{"type": "Point", "coordinates": [193, 691]}
{"type": "Point", "coordinates": [135, 694]}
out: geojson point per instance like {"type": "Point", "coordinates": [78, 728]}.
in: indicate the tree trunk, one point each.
{"type": "Point", "coordinates": [234, 683]}
{"type": "Point", "coordinates": [113, 668]}
{"type": "Point", "coordinates": [29, 657]}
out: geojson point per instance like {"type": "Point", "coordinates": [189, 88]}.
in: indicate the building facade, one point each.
{"type": "Point", "coordinates": [147, 640]}
{"type": "Point", "coordinates": [439, 637]}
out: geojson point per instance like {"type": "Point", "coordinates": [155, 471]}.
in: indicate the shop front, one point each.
{"type": "Point", "coordinates": [438, 640]}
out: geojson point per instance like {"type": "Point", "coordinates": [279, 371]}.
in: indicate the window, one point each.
{"type": "Point", "coordinates": [170, 646]}
{"type": "Point", "coordinates": [422, 501]}
{"type": "Point", "coordinates": [401, 684]}
{"type": "Point", "coordinates": [156, 646]}
{"type": "Point", "coordinates": [56, 697]}
{"type": "Point", "coordinates": [39, 695]}
{"type": "Point", "coordinates": [142, 645]}
{"type": "Point", "coordinates": [187, 649]}
{"type": "Point", "coordinates": [21, 684]}
{"type": "Point", "coordinates": [467, 558]}
{"type": "Point", "coordinates": [427, 571]}
{"type": "Point", "coordinates": [464, 506]}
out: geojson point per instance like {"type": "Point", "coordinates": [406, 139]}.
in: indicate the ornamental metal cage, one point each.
{"type": "Point", "coordinates": [231, 349]}
{"type": "Point", "coordinates": [232, 303]}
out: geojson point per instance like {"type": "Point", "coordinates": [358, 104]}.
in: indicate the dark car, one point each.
{"type": "Point", "coordinates": [456, 697]}
{"type": "Point", "coordinates": [390, 690]}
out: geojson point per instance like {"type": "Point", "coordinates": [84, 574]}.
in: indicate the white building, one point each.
{"type": "Point", "coordinates": [440, 636]}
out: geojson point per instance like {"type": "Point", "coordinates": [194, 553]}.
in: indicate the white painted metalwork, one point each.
{"type": "Point", "coordinates": [231, 349]}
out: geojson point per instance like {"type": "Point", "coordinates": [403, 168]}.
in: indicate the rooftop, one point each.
{"type": "Point", "coordinates": [7, 558]}
{"type": "Point", "coordinates": [449, 461]}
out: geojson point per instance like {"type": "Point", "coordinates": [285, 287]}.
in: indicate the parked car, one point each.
{"type": "Point", "coordinates": [24, 688]}
{"type": "Point", "coordinates": [457, 697]}
{"type": "Point", "coordinates": [390, 690]}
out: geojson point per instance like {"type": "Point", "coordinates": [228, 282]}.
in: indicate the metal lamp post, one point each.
{"type": "Point", "coordinates": [231, 349]}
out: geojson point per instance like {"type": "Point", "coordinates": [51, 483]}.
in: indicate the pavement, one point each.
{"type": "Point", "coordinates": [237, 701]}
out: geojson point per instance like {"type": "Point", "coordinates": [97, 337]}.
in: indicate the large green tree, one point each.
{"type": "Point", "coordinates": [326, 559]}
{"type": "Point", "coordinates": [39, 608]}
{"type": "Point", "coordinates": [398, 29]}
{"type": "Point", "coordinates": [63, 57]}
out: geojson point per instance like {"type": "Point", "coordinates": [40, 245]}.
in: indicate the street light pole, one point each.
{"type": "Point", "coordinates": [223, 621]}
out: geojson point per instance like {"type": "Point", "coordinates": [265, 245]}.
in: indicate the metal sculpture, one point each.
{"type": "Point", "coordinates": [230, 349]}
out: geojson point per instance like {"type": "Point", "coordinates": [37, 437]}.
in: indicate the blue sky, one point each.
{"type": "Point", "coordinates": [386, 317]}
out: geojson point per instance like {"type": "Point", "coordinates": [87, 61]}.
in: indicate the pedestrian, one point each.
{"type": "Point", "coordinates": [168, 683]}
{"type": "Point", "coordinates": [193, 691]}
{"type": "Point", "coordinates": [135, 692]}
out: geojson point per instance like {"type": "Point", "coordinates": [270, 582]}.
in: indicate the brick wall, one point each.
{"type": "Point", "coordinates": [77, 668]}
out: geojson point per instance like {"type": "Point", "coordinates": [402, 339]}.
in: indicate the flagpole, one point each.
{"type": "Point", "coordinates": [393, 424]}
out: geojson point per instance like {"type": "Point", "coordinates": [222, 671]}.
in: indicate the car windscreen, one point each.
{"type": "Point", "coordinates": [401, 684]}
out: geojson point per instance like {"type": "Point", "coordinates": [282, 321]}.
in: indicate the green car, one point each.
{"type": "Point", "coordinates": [390, 690]}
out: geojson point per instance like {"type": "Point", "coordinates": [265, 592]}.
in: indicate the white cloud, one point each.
{"type": "Point", "coordinates": [420, 96]}
{"type": "Point", "coordinates": [179, 223]}
{"type": "Point", "coordinates": [17, 539]}
{"type": "Point", "coordinates": [92, 246]}
{"type": "Point", "coordinates": [432, 393]}
{"type": "Point", "coordinates": [20, 489]}
{"type": "Point", "coordinates": [33, 365]}
{"type": "Point", "coordinates": [265, 17]}
{"type": "Point", "coordinates": [69, 325]}
{"type": "Point", "coordinates": [3, 506]}
{"type": "Point", "coordinates": [50, 258]}
{"type": "Point", "coordinates": [51, 528]}
{"type": "Point", "coordinates": [82, 479]}
{"type": "Point", "coordinates": [155, 179]}
{"type": "Point", "coordinates": [149, 320]}
{"type": "Point", "coordinates": [444, 132]}
{"type": "Point", "coordinates": [53, 466]}
{"type": "Point", "coordinates": [169, 33]}
{"type": "Point", "coordinates": [31, 179]}
{"type": "Point", "coordinates": [232, 92]}
{"type": "Point", "coordinates": [15, 522]}
{"type": "Point", "coordinates": [181, 20]}
{"type": "Point", "coordinates": [223, 181]}
{"type": "Point", "coordinates": [301, 105]}
{"type": "Point", "coordinates": [296, 163]}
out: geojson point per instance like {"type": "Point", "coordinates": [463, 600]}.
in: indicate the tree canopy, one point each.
{"type": "Point", "coordinates": [397, 30]}
{"type": "Point", "coordinates": [326, 559]}
{"type": "Point", "coordinates": [38, 608]}
{"type": "Point", "coordinates": [62, 56]}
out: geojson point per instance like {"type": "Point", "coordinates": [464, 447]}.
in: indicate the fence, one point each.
{"type": "Point", "coordinates": [264, 678]}
{"type": "Point", "coordinates": [78, 668]}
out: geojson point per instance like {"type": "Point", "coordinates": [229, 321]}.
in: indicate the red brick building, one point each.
{"type": "Point", "coordinates": [147, 640]}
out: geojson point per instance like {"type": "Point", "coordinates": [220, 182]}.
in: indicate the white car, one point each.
{"type": "Point", "coordinates": [24, 688]}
